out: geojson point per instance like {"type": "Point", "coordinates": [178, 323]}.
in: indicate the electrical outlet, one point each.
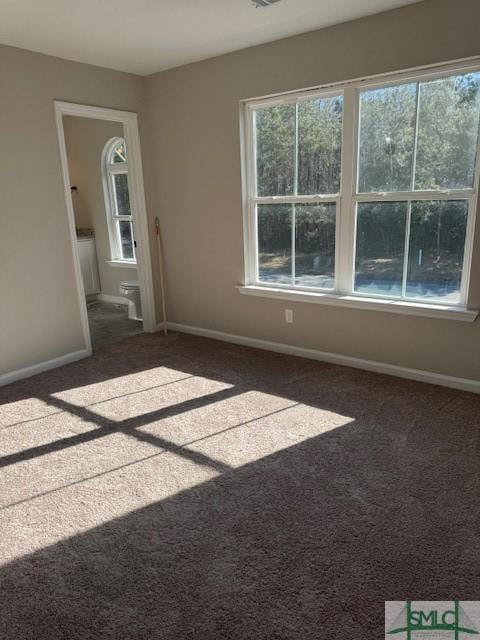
{"type": "Point", "coordinates": [289, 315]}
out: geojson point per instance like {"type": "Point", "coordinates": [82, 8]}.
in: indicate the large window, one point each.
{"type": "Point", "coordinates": [367, 190]}
{"type": "Point", "coordinates": [297, 177]}
{"type": "Point", "coordinates": [117, 199]}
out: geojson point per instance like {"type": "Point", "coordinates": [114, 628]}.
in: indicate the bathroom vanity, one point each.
{"type": "Point", "coordinates": [88, 264]}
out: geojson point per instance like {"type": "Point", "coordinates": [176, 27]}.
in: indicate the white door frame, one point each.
{"type": "Point", "coordinates": [137, 202]}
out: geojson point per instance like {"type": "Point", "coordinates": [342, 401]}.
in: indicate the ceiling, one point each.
{"type": "Point", "coordinates": [145, 36]}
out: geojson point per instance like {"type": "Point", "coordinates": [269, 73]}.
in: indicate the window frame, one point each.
{"type": "Point", "coordinates": [348, 198]}
{"type": "Point", "coordinates": [109, 171]}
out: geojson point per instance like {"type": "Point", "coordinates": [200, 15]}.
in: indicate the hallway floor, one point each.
{"type": "Point", "coordinates": [110, 323]}
{"type": "Point", "coordinates": [177, 487]}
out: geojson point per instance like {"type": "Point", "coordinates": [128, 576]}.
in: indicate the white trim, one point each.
{"type": "Point", "coordinates": [395, 196]}
{"type": "Point", "coordinates": [26, 372]}
{"type": "Point", "coordinates": [109, 170]}
{"type": "Point", "coordinates": [369, 304]}
{"type": "Point", "coordinates": [137, 202]}
{"type": "Point", "coordinates": [109, 198]}
{"type": "Point", "coordinates": [429, 377]}
{"type": "Point", "coordinates": [248, 150]}
{"type": "Point", "coordinates": [294, 97]}
{"type": "Point", "coordinates": [470, 231]}
{"type": "Point", "coordinates": [331, 197]}
{"type": "Point", "coordinates": [349, 198]}
{"type": "Point", "coordinates": [345, 229]}
{"type": "Point", "coordinates": [72, 230]}
{"type": "Point", "coordinates": [124, 264]}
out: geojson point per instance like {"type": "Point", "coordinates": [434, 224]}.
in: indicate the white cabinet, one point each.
{"type": "Point", "coordinates": [88, 265]}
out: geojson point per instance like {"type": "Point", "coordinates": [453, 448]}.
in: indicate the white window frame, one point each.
{"type": "Point", "coordinates": [109, 170]}
{"type": "Point", "coordinates": [347, 200]}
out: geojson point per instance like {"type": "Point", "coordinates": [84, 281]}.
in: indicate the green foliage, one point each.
{"type": "Point", "coordinates": [412, 136]}
{"type": "Point", "coordinates": [381, 229]}
{"type": "Point", "coordinates": [319, 124]}
{"type": "Point", "coordinates": [274, 228]}
{"type": "Point", "coordinates": [447, 132]}
{"type": "Point", "coordinates": [314, 238]}
{"type": "Point", "coordinates": [319, 145]}
{"type": "Point", "coordinates": [275, 133]}
{"type": "Point", "coordinates": [446, 121]}
{"type": "Point", "coordinates": [387, 134]}
{"type": "Point", "coordinates": [315, 228]}
{"type": "Point", "coordinates": [439, 226]}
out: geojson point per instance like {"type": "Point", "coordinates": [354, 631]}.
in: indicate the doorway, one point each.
{"type": "Point", "coordinates": [104, 193]}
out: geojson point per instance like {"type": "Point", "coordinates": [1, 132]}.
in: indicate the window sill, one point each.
{"type": "Point", "coordinates": [370, 304]}
{"type": "Point", "coordinates": [122, 263]}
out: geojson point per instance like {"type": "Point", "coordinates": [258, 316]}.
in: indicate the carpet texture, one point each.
{"type": "Point", "coordinates": [185, 488]}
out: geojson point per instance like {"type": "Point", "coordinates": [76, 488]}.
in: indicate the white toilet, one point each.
{"type": "Point", "coordinates": [130, 289]}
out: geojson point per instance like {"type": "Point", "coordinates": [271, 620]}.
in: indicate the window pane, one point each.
{"type": "Point", "coordinates": [122, 199]}
{"type": "Point", "coordinates": [437, 238]}
{"type": "Point", "coordinates": [387, 138]}
{"type": "Point", "coordinates": [315, 245]}
{"type": "Point", "coordinates": [275, 135]}
{"type": "Point", "coordinates": [126, 239]}
{"type": "Point", "coordinates": [448, 114]}
{"type": "Point", "coordinates": [119, 153]}
{"type": "Point", "coordinates": [380, 247]}
{"type": "Point", "coordinates": [319, 145]}
{"type": "Point", "coordinates": [275, 243]}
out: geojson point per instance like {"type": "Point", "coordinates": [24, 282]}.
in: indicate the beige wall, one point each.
{"type": "Point", "coordinates": [85, 140]}
{"type": "Point", "coordinates": [39, 317]}
{"type": "Point", "coordinates": [195, 132]}
{"type": "Point", "coordinates": [193, 181]}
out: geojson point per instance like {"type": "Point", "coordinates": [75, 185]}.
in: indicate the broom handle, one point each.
{"type": "Point", "coordinates": [160, 265]}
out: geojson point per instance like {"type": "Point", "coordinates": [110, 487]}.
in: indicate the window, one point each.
{"type": "Point", "coordinates": [367, 190]}
{"type": "Point", "coordinates": [117, 200]}
{"type": "Point", "coordinates": [297, 177]}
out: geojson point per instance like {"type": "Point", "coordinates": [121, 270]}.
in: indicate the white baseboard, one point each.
{"type": "Point", "coordinates": [464, 384]}
{"type": "Point", "coordinates": [106, 297]}
{"type": "Point", "coordinates": [26, 372]}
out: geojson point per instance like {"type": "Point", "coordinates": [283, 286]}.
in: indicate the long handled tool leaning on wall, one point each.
{"type": "Point", "coordinates": [160, 266]}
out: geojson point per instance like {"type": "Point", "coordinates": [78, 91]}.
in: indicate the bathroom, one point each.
{"type": "Point", "coordinates": [98, 176]}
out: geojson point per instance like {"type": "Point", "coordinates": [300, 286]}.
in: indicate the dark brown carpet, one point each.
{"type": "Point", "coordinates": [185, 488]}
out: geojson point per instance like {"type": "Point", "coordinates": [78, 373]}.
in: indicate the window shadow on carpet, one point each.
{"type": "Point", "coordinates": [306, 543]}
{"type": "Point", "coordinates": [356, 489]}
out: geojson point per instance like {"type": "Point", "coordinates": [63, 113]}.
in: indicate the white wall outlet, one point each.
{"type": "Point", "coordinates": [289, 315]}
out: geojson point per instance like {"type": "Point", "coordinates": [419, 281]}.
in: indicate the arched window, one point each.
{"type": "Point", "coordinates": [117, 200]}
